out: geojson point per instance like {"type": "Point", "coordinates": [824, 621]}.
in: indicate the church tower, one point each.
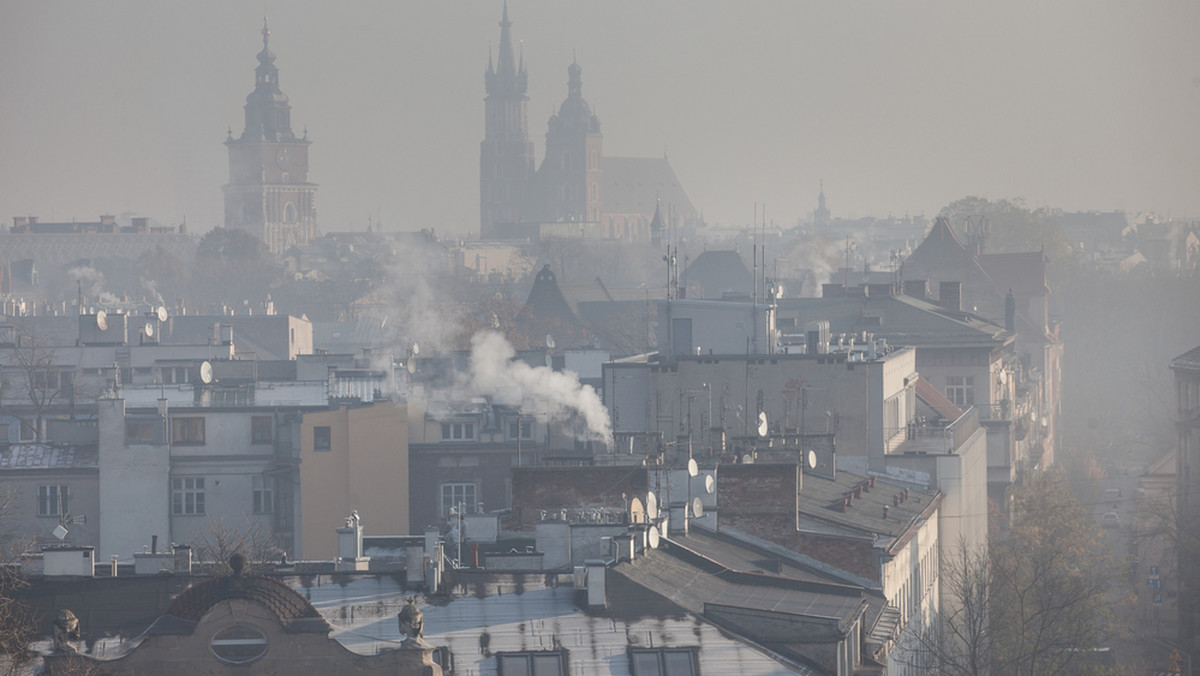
{"type": "Point", "coordinates": [268, 193]}
{"type": "Point", "coordinates": [506, 155]}
{"type": "Point", "coordinates": [569, 180]}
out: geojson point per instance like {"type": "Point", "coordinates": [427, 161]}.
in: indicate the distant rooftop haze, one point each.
{"type": "Point", "coordinates": [900, 108]}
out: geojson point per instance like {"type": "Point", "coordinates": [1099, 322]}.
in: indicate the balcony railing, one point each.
{"type": "Point", "coordinates": [932, 437]}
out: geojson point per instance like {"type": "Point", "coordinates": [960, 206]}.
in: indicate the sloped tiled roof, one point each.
{"type": "Point", "coordinates": [936, 400]}
{"type": "Point", "coordinates": [273, 595]}
{"type": "Point", "coordinates": [1024, 272]}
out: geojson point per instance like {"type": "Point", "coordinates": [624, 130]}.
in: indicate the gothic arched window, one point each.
{"type": "Point", "coordinates": [289, 213]}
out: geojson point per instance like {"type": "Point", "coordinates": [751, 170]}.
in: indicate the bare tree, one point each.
{"type": "Point", "coordinates": [17, 620]}
{"type": "Point", "coordinates": [1051, 598]}
{"type": "Point", "coordinates": [32, 382]}
{"type": "Point", "coordinates": [249, 538]}
{"type": "Point", "coordinates": [959, 643]}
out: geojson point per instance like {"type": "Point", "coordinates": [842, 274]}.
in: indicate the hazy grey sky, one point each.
{"type": "Point", "coordinates": [901, 107]}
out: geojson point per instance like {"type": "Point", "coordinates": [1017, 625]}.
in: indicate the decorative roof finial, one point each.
{"type": "Point", "coordinates": [266, 32]}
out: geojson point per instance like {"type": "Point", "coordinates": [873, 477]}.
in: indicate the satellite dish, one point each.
{"type": "Point", "coordinates": [416, 349]}
{"type": "Point", "coordinates": [411, 365]}
{"type": "Point", "coordinates": [206, 372]}
{"type": "Point", "coordinates": [812, 459]}
{"type": "Point", "coordinates": [637, 513]}
{"type": "Point", "coordinates": [762, 424]}
{"type": "Point", "coordinates": [161, 313]}
{"type": "Point", "coordinates": [60, 532]}
{"type": "Point", "coordinates": [102, 320]}
{"type": "Point", "coordinates": [710, 484]}
{"type": "Point", "coordinates": [148, 329]}
{"type": "Point", "coordinates": [697, 508]}
{"type": "Point", "coordinates": [654, 537]}
{"type": "Point", "coordinates": [651, 506]}
{"type": "Point", "coordinates": [549, 341]}
{"type": "Point", "coordinates": [693, 469]}
{"type": "Point", "coordinates": [747, 459]}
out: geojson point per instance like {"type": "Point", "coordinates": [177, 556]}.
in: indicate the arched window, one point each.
{"type": "Point", "coordinates": [289, 213]}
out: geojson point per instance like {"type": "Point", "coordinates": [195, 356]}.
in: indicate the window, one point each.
{"type": "Point", "coordinates": [172, 375]}
{"type": "Point", "coordinates": [454, 494]}
{"type": "Point", "coordinates": [262, 429]}
{"type": "Point", "coordinates": [458, 431]}
{"type": "Point", "coordinates": [28, 430]}
{"type": "Point", "coordinates": [526, 429]}
{"type": "Point", "coordinates": [187, 430]}
{"type": "Point", "coordinates": [54, 500]}
{"type": "Point", "coordinates": [321, 438]}
{"type": "Point", "coordinates": [238, 644]}
{"type": "Point", "coordinates": [961, 390]}
{"type": "Point", "coordinates": [139, 431]}
{"type": "Point", "coordinates": [549, 663]}
{"type": "Point", "coordinates": [663, 662]}
{"type": "Point", "coordinates": [264, 494]}
{"type": "Point", "coordinates": [187, 495]}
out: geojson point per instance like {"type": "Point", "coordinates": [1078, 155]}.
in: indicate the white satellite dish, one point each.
{"type": "Point", "coordinates": [654, 537]}
{"type": "Point", "coordinates": [812, 459]}
{"type": "Point", "coordinates": [416, 349]}
{"type": "Point", "coordinates": [161, 313]}
{"type": "Point", "coordinates": [102, 320]}
{"type": "Point", "coordinates": [762, 424]}
{"type": "Point", "coordinates": [651, 506]}
{"type": "Point", "coordinates": [549, 341]}
{"type": "Point", "coordinates": [747, 459]}
{"type": "Point", "coordinates": [697, 508]}
{"type": "Point", "coordinates": [148, 329]}
{"type": "Point", "coordinates": [710, 484]}
{"type": "Point", "coordinates": [206, 372]}
{"type": "Point", "coordinates": [60, 532]}
{"type": "Point", "coordinates": [693, 468]}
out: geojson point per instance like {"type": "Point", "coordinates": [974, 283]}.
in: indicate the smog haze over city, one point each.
{"type": "Point", "coordinates": [899, 108]}
{"type": "Point", "coordinates": [699, 336]}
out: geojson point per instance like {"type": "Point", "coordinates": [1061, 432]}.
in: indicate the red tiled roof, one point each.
{"type": "Point", "coordinates": [936, 400]}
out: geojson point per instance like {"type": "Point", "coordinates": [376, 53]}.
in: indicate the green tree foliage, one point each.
{"type": "Point", "coordinates": [1007, 225]}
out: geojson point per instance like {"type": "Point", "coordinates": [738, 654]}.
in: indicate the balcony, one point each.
{"type": "Point", "coordinates": [932, 437]}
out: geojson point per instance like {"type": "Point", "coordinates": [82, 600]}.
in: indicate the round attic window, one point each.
{"type": "Point", "coordinates": [239, 644]}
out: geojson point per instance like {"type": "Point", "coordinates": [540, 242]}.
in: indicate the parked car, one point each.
{"type": "Point", "coordinates": [1111, 520]}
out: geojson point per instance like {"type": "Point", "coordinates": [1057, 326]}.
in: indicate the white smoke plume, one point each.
{"type": "Point", "coordinates": [92, 281]}
{"type": "Point", "coordinates": [495, 373]}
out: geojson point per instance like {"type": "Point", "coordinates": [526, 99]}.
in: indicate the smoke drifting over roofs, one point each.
{"type": "Point", "coordinates": [559, 395]}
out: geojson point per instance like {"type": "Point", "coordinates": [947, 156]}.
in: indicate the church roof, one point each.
{"type": "Point", "coordinates": [635, 185]}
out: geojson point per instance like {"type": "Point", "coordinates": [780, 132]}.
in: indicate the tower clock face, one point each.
{"type": "Point", "coordinates": [281, 158]}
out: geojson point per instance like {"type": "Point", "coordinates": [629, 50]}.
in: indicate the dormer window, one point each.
{"type": "Point", "coordinates": [458, 431]}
